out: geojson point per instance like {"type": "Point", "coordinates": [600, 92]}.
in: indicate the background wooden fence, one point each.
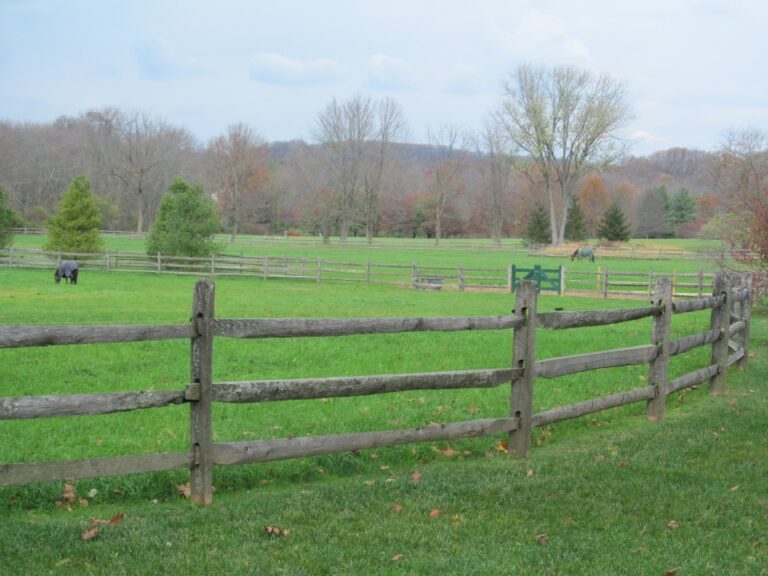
{"type": "Point", "coordinates": [597, 282]}
{"type": "Point", "coordinates": [728, 336]}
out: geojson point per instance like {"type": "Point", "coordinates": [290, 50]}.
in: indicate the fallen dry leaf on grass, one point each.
{"type": "Point", "coordinates": [673, 524]}
{"type": "Point", "coordinates": [435, 513]}
{"type": "Point", "coordinates": [542, 539]}
{"type": "Point", "coordinates": [90, 534]}
{"type": "Point", "coordinates": [69, 492]}
{"type": "Point", "coordinates": [415, 477]}
{"type": "Point", "coordinates": [116, 519]}
{"type": "Point", "coordinates": [397, 508]}
{"type": "Point", "coordinates": [275, 531]}
{"type": "Point", "coordinates": [96, 524]}
{"type": "Point", "coordinates": [184, 489]}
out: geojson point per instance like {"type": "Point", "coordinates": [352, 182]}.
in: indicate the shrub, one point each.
{"type": "Point", "coordinates": [75, 226]}
{"type": "Point", "coordinates": [185, 224]}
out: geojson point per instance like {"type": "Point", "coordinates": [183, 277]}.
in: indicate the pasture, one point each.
{"type": "Point", "coordinates": [563, 510]}
{"type": "Point", "coordinates": [476, 253]}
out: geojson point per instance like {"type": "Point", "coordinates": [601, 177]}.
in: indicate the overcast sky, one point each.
{"type": "Point", "coordinates": [693, 68]}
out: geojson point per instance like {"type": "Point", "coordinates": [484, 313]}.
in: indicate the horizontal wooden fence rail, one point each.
{"type": "Point", "coordinates": [728, 337]}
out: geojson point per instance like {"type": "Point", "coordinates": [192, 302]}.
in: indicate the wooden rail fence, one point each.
{"type": "Point", "coordinates": [597, 282]}
{"type": "Point", "coordinates": [728, 336]}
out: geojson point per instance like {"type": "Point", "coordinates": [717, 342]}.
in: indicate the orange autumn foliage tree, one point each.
{"type": "Point", "coordinates": [241, 165]}
{"type": "Point", "coordinates": [594, 201]}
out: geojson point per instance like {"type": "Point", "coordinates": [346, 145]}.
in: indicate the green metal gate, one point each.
{"type": "Point", "coordinates": [545, 278]}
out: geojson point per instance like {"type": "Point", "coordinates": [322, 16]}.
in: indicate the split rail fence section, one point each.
{"type": "Point", "coordinates": [595, 282]}
{"type": "Point", "coordinates": [728, 336]}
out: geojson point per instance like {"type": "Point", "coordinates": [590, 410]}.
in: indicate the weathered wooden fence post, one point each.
{"type": "Point", "coordinates": [562, 280]}
{"type": "Point", "coordinates": [510, 275]}
{"type": "Point", "coordinates": [720, 321]}
{"type": "Point", "coordinates": [524, 356]}
{"type": "Point", "coordinates": [746, 316]}
{"type": "Point", "coordinates": [657, 375]}
{"type": "Point", "coordinates": [201, 377]}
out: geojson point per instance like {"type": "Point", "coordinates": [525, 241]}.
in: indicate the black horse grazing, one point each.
{"type": "Point", "coordinates": [68, 270]}
{"type": "Point", "coordinates": [580, 253]}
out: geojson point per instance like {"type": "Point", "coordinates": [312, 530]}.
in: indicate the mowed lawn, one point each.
{"type": "Point", "coordinates": [606, 494]}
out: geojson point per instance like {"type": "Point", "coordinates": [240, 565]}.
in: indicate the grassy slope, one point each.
{"type": "Point", "coordinates": [604, 489]}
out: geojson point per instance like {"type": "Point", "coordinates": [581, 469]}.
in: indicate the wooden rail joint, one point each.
{"type": "Point", "coordinates": [192, 392]}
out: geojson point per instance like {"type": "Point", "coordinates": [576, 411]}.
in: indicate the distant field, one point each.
{"type": "Point", "coordinates": [471, 253]}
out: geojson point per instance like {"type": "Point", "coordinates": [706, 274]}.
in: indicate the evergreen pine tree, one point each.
{"type": "Point", "coordinates": [75, 227]}
{"type": "Point", "coordinates": [575, 226]}
{"type": "Point", "coordinates": [538, 230]}
{"type": "Point", "coordinates": [613, 226]}
{"type": "Point", "coordinates": [682, 208]}
{"type": "Point", "coordinates": [185, 224]}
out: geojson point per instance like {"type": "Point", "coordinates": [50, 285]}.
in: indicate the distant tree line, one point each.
{"type": "Point", "coordinates": [359, 176]}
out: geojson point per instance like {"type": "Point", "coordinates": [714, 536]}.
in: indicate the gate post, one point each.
{"type": "Point", "coordinates": [201, 378]}
{"type": "Point", "coordinates": [524, 356]}
{"type": "Point", "coordinates": [721, 321]}
{"type": "Point", "coordinates": [657, 376]}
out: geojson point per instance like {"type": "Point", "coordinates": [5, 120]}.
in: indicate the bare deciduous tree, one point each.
{"type": "Point", "coordinates": [146, 143]}
{"type": "Point", "coordinates": [496, 177]}
{"type": "Point", "coordinates": [741, 177]}
{"type": "Point", "coordinates": [447, 160]}
{"type": "Point", "coordinates": [565, 120]}
{"type": "Point", "coordinates": [344, 130]}
{"type": "Point", "coordinates": [356, 136]}
{"type": "Point", "coordinates": [241, 166]}
{"type": "Point", "coordinates": [391, 126]}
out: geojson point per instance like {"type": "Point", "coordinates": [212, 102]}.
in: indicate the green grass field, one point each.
{"type": "Point", "coordinates": [605, 494]}
{"type": "Point", "coordinates": [450, 253]}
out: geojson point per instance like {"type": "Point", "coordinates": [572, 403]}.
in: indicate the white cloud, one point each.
{"type": "Point", "coordinates": [157, 59]}
{"type": "Point", "coordinates": [272, 68]}
{"type": "Point", "coordinates": [539, 37]}
{"type": "Point", "coordinates": [384, 72]}
{"type": "Point", "coordinates": [641, 136]}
